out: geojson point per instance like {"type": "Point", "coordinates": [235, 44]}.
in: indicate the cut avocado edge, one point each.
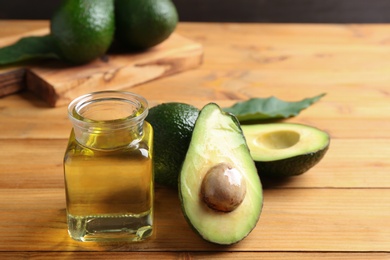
{"type": "Point", "coordinates": [217, 140]}
{"type": "Point", "coordinates": [285, 149]}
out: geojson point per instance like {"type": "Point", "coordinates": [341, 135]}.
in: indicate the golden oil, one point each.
{"type": "Point", "coordinates": [108, 168]}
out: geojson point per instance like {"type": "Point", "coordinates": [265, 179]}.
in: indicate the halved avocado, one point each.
{"type": "Point", "coordinates": [285, 149]}
{"type": "Point", "coordinates": [219, 188]}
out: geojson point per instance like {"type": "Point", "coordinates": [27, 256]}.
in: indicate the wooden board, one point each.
{"type": "Point", "coordinates": [12, 77]}
{"type": "Point", "coordinates": [58, 83]}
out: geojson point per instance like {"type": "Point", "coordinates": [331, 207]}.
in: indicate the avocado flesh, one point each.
{"type": "Point", "coordinates": [285, 149]}
{"type": "Point", "coordinates": [218, 139]}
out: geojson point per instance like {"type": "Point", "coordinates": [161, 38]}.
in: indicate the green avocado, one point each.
{"type": "Point", "coordinates": [83, 30]}
{"type": "Point", "coordinates": [141, 24]}
{"type": "Point", "coordinates": [173, 123]}
{"type": "Point", "coordinates": [219, 188]}
{"type": "Point", "coordinates": [285, 149]}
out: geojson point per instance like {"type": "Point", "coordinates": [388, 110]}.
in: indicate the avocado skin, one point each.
{"type": "Point", "coordinates": [270, 148]}
{"type": "Point", "coordinates": [83, 30]}
{"type": "Point", "coordinates": [142, 24]}
{"type": "Point", "coordinates": [292, 166]}
{"type": "Point", "coordinates": [173, 123]}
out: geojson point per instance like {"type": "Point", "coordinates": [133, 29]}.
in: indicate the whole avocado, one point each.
{"type": "Point", "coordinates": [83, 30]}
{"type": "Point", "coordinates": [172, 124]}
{"type": "Point", "coordinates": [141, 24]}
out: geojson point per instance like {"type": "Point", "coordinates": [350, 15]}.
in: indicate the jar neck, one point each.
{"type": "Point", "coordinates": [108, 120]}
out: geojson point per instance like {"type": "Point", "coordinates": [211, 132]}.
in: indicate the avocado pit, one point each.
{"type": "Point", "coordinates": [223, 188]}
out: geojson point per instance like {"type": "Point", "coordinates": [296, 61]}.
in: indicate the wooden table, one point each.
{"type": "Point", "coordinates": [340, 209]}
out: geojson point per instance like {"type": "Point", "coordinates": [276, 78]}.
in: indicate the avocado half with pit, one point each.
{"type": "Point", "coordinates": [219, 187]}
{"type": "Point", "coordinates": [285, 149]}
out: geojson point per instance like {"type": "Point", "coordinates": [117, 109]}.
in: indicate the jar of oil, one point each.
{"type": "Point", "coordinates": [108, 168]}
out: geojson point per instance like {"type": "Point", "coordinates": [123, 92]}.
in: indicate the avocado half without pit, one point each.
{"type": "Point", "coordinates": [285, 149]}
{"type": "Point", "coordinates": [219, 187]}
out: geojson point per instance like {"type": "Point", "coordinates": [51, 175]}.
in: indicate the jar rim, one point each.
{"type": "Point", "coordinates": [108, 95]}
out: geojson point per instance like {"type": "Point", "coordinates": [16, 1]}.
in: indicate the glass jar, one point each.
{"type": "Point", "coordinates": [108, 168]}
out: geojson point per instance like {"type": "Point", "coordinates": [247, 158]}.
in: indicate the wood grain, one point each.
{"type": "Point", "coordinates": [340, 168]}
{"type": "Point", "coordinates": [194, 255]}
{"type": "Point", "coordinates": [57, 83]}
{"type": "Point", "coordinates": [292, 220]}
{"type": "Point", "coordinates": [12, 77]}
{"type": "Point", "coordinates": [354, 118]}
{"type": "Point", "coordinates": [337, 210]}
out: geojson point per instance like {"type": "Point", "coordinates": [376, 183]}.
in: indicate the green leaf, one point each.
{"type": "Point", "coordinates": [27, 48]}
{"type": "Point", "coordinates": [269, 108]}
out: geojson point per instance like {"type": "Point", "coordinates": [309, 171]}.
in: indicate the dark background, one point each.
{"type": "Point", "coordinates": [274, 11]}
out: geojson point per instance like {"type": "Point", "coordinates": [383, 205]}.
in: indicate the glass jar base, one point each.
{"type": "Point", "coordinates": [110, 228]}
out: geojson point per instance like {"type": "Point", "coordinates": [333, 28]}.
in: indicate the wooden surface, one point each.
{"type": "Point", "coordinates": [337, 210]}
{"type": "Point", "coordinates": [58, 83]}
